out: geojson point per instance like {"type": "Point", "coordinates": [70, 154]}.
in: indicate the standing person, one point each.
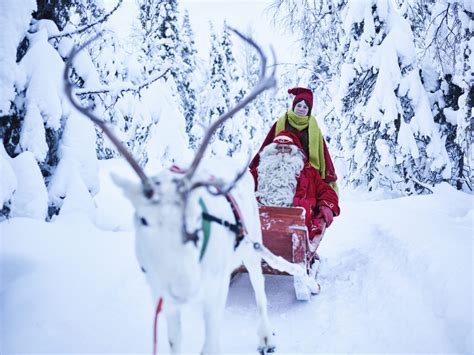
{"type": "Point", "coordinates": [298, 120]}
{"type": "Point", "coordinates": [285, 178]}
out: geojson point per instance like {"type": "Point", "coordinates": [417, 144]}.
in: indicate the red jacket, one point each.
{"type": "Point", "coordinates": [311, 193]}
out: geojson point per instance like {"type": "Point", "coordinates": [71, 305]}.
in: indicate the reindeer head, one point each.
{"type": "Point", "coordinates": [170, 262]}
{"type": "Point", "coordinates": [167, 218]}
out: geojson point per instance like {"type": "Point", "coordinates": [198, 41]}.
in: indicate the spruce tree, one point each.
{"type": "Point", "coordinates": [442, 36]}
{"type": "Point", "coordinates": [218, 96]}
{"type": "Point", "coordinates": [449, 47]}
{"type": "Point", "coordinates": [41, 124]}
{"type": "Point", "coordinates": [230, 132]}
{"type": "Point", "coordinates": [168, 35]}
{"type": "Point", "coordinates": [157, 35]}
{"type": "Point", "coordinates": [388, 133]}
{"type": "Point", "coordinates": [185, 84]}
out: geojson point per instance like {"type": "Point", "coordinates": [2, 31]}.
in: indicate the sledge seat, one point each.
{"type": "Point", "coordinates": [285, 234]}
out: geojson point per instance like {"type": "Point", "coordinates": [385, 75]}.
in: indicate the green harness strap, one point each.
{"type": "Point", "coordinates": [206, 228]}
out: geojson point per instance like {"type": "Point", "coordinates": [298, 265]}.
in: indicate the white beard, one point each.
{"type": "Point", "coordinates": [277, 176]}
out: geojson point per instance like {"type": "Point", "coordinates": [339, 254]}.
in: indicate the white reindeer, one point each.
{"type": "Point", "coordinates": [171, 211]}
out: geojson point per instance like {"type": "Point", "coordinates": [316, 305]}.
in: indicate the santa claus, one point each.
{"type": "Point", "coordinates": [280, 166]}
{"type": "Point", "coordinates": [285, 178]}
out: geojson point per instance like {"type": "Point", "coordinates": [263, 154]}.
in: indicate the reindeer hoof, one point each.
{"type": "Point", "coordinates": [263, 350]}
{"type": "Point", "coordinates": [267, 348]}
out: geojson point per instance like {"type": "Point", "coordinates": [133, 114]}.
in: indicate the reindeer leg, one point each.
{"type": "Point", "coordinates": [173, 320]}
{"type": "Point", "coordinates": [214, 306]}
{"type": "Point", "coordinates": [265, 334]}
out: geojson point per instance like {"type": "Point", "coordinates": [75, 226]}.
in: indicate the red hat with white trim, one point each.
{"type": "Point", "coordinates": [286, 137]}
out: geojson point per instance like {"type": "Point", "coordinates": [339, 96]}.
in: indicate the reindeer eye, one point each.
{"type": "Point", "coordinates": [143, 221]}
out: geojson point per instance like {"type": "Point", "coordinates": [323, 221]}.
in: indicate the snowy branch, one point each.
{"type": "Point", "coordinates": [122, 90]}
{"type": "Point", "coordinates": [87, 27]}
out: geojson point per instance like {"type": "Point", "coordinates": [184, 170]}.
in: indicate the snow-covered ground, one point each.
{"type": "Point", "coordinates": [396, 277]}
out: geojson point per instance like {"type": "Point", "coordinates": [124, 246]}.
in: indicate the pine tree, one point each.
{"type": "Point", "coordinates": [230, 132]}
{"type": "Point", "coordinates": [264, 109]}
{"type": "Point", "coordinates": [388, 132]}
{"type": "Point", "coordinates": [40, 123]}
{"type": "Point", "coordinates": [88, 10]}
{"type": "Point", "coordinates": [442, 37]}
{"type": "Point", "coordinates": [449, 46]}
{"type": "Point", "coordinates": [168, 35]}
{"type": "Point", "coordinates": [54, 10]}
{"type": "Point", "coordinates": [157, 35]}
{"type": "Point", "coordinates": [218, 95]}
{"type": "Point", "coordinates": [184, 83]}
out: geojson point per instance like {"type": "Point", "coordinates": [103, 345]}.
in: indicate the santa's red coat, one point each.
{"type": "Point", "coordinates": [311, 193]}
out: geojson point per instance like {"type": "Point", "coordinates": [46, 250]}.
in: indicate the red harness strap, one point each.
{"type": "Point", "coordinates": [155, 326]}
{"type": "Point", "coordinates": [238, 218]}
{"type": "Point", "coordinates": [235, 210]}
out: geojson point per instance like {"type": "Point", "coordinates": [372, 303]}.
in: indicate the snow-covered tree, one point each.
{"type": "Point", "coordinates": [442, 34]}
{"type": "Point", "coordinates": [261, 112]}
{"type": "Point", "coordinates": [419, 13]}
{"type": "Point", "coordinates": [225, 86]}
{"type": "Point", "coordinates": [257, 111]}
{"type": "Point", "coordinates": [41, 131]}
{"type": "Point", "coordinates": [54, 10]}
{"type": "Point", "coordinates": [88, 10]}
{"type": "Point", "coordinates": [185, 82]}
{"type": "Point", "coordinates": [318, 25]}
{"type": "Point", "coordinates": [157, 35]}
{"type": "Point", "coordinates": [450, 47]}
{"type": "Point", "coordinates": [118, 98]}
{"type": "Point", "coordinates": [388, 133]}
{"type": "Point", "coordinates": [231, 131]}
{"type": "Point", "coordinates": [217, 95]}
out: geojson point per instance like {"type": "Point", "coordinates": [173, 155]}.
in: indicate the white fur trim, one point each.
{"type": "Point", "coordinates": [278, 175]}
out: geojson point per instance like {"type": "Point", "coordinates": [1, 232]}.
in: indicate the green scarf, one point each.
{"type": "Point", "coordinates": [315, 137]}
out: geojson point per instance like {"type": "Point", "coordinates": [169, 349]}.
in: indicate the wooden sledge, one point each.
{"type": "Point", "coordinates": [285, 234]}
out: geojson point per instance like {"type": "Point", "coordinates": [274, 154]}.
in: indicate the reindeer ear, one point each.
{"type": "Point", "coordinates": [129, 187]}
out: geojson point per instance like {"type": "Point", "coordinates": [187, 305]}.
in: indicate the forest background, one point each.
{"type": "Point", "coordinates": [392, 82]}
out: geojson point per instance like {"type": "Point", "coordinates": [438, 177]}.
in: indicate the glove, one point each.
{"type": "Point", "coordinates": [316, 227]}
{"type": "Point", "coordinates": [326, 214]}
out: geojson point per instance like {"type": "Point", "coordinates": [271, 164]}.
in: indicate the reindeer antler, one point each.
{"type": "Point", "coordinates": [265, 82]}
{"type": "Point", "coordinates": [147, 186]}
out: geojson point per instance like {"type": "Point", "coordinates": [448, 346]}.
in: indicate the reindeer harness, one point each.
{"type": "Point", "coordinates": [238, 228]}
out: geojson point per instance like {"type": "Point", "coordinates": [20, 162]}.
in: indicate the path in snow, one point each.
{"type": "Point", "coordinates": [396, 277]}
